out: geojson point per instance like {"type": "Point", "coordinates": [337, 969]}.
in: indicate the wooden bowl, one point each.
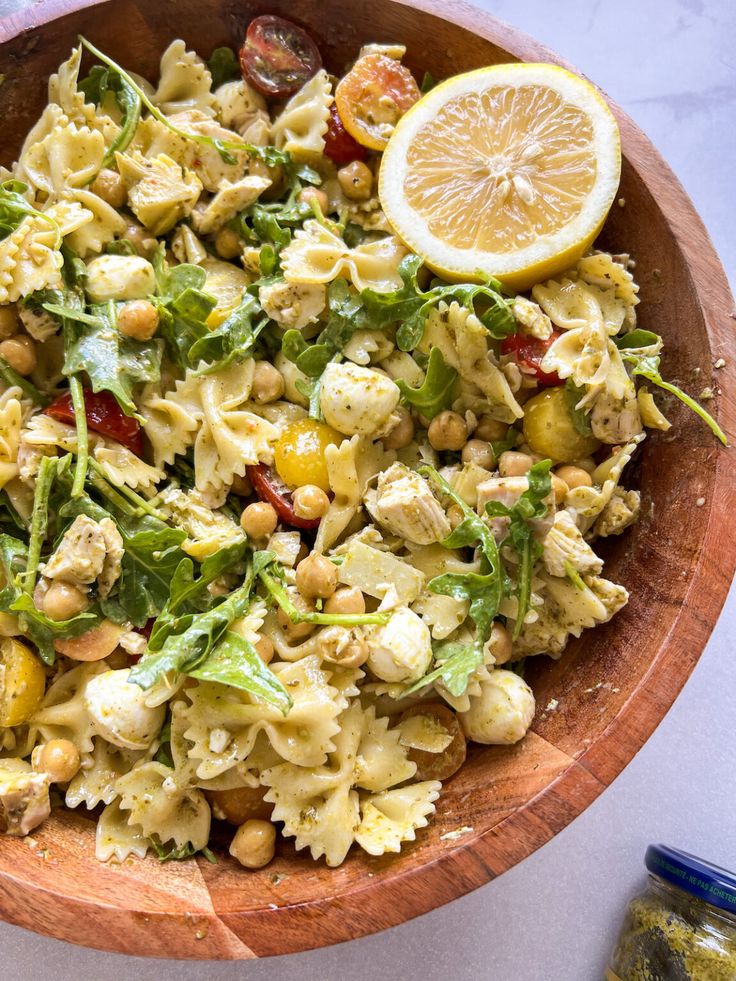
{"type": "Point", "coordinates": [612, 687]}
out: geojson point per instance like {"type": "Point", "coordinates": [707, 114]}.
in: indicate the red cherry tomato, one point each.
{"type": "Point", "coordinates": [278, 57]}
{"type": "Point", "coordinates": [529, 352]}
{"type": "Point", "coordinates": [104, 416]}
{"type": "Point", "coordinates": [340, 147]}
{"type": "Point", "coordinates": [270, 489]}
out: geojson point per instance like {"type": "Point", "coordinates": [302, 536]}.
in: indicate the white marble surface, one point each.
{"type": "Point", "coordinates": [671, 64]}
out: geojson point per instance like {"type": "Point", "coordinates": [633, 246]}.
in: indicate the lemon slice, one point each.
{"type": "Point", "coordinates": [507, 171]}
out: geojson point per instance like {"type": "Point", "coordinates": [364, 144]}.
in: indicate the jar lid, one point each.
{"type": "Point", "coordinates": [715, 885]}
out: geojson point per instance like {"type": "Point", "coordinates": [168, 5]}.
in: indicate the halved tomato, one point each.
{"type": "Point", "coordinates": [340, 147]}
{"type": "Point", "coordinates": [104, 416]}
{"type": "Point", "coordinates": [528, 353]}
{"type": "Point", "coordinates": [373, 96]}
{"type": "Point", "coordinates": [278, 57]}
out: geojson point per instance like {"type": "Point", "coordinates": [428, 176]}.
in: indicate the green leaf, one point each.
{"type": "Point", "coordinates": [580, 418]}
{"type": "Point", "coordinates": [648, 367]}
{"type": "Point", "coordinates": [428, 83]}
{"type": "Point", "coordinates": [573, 575]}
{"type": "Point", "coordinates": [235, 662]}
{"type": "Point", "coordinates": [14, 208]}
{"type": "Point", "coordinates": [233, 340]}
{"type": "Point", "coordinates": [11, 378]}
{"type": "Point", "coordinates": [39, 518]}
{"type": "Point", "coordinates": [530, 506]}
{"type": "Point", "coordinates": [436, 391]}
{"type": "Point", "coordinates": [637, 339]}
{"type": "Point", "coordinates": [455, 663]}
{"type": "Point", "coordinates": [172, 852]}
{"type": "Point", "coordinates": [345, 317]}
{"type": "Point", "coordinates": [183, 308]}
{"type": "Point", "coordinates": [223, 66]}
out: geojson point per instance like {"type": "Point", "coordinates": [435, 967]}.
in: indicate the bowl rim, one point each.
{"type": "Point", "coordinates": [472, 863]}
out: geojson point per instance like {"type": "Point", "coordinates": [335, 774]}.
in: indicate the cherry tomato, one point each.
{"type": "Point", "coordinates": [442, 765]}
{"type": "Point", "coordinates": [340, 147]}
{"type": "Point", "coordinates": [529, 352]}
{"type": "Point", "coordinates": [270, 489]}
{"type": "Point", "coordinates": [104, 416]}
{"type": "Point", "coordinates": [299, 454]}
{"type": "Point", "coordinates": [373, 96]}
{"type": "Point", "coordinates": [278, 57]}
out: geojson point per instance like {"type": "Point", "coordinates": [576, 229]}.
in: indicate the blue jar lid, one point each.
{"type": "Point", "coordinates": [715, 885]}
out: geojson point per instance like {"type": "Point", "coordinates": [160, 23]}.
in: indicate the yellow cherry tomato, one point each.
{"type": "Point", "coordinates": [22, 682]}
{"type": "Point", "coordinates": [550, 431]}
{"type": "Point", "coordinates": [300, 453]}
{"type": "Point", "coordinates": [373, 96]}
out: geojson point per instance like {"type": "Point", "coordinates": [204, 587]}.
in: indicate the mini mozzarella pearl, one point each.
{"type": "Point", "coordinates": [502, 712]}
{"type": "Point", "coordinates": [119, 713]}
{"type": "Point", "coordinates": [400, 650]}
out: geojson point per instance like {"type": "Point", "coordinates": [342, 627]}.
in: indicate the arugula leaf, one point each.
{"type": "Point", "coordinates": [648, 367]}
{"type": "Point", "coordinates": [345, 317]}
{"type": "Point", "coordinates": [183, 308]}
{"type": "Point", "coordinates": [233, 340]}
{"type": "Point", "coordinates": [436, 391]}
{"type": "Point", "coordinates": [235, 662]}
{"type": "Point", "coordinates": [412, 305]}
{"type": "Point", "coordinates": [223, 66]}
{"type": "Point", "coordinates": [269, 154]}
{"type": "Point", "coordinates": [14, 208]}
{"type": "Point", "coordinates": [39, 518]}
{"type": "Point", "coordinates": [573, 575]}
{"type": "Point", "coordinates": [455, 663]}
{"type": "Point", "coordinates": [428, 83]}
{"type": "Point", "coordinates": [580, 418]}
{"type": "Point", "coordinates": [530, 505]}
{"type": "Point", "coordinates": [172, 852]}
{"type": "Point", "coordinates": [637, 339]}
{"type": "Point", "coordinates": [11, 378]}
{"type": "Point", "coordinates": [98, 83]}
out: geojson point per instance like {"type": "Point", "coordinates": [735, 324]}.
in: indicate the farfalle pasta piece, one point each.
{"type": "Point", "coordinates": [104, 225]}
{"type": "Point", "coordinates": [317, 254]}
{"type": "Point", "coordinates": [171, 428]}
{"type": "Point", "coordinates": [70, 156]}
{"type": "Point", "coordinates": [124, 469]}
{"type": "Point", "coordinates": [184, 83]}
{"type": "Point", "coordinates": [224, 723]}
{"type": "Point", "coordinates": [393, 817]}
{"type": "Point", "coordinates": [11, 418]}
{"type": "Point", "coordinates": [602, 270]}
{"type": "Point", "coordinates": [301, 125]}
{"type": "Point", "coordinates": [30, 259]}
{"type": "Point", "coordinates": [586, 503]}
{"type": "Point", "coordinates": [95, 780]}
{"type": "Point", "coordinates": [161, 808]}
{"type": "Point", "coordinates": [320, 807]}
{"type": "Point", "coordinates": [115, 838]}
{"type": "Point", "coordinates": [582, 352]}
{"type": "Point", "coordinates": [63, 714]}
{"type": "Point", "coordinates": [442, 614]}
{"type": "Point", "coordinates": [63, 91]}
{"type": "Point", "coordinates": [463, 342]}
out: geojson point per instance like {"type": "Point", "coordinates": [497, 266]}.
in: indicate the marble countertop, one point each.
{"type": "Point", "coordinates": [671, 65]}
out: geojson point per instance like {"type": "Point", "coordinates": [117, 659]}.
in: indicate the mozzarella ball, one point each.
{"type": "Point", "coordinates": [356, 399]}
{"type": "Point", "coordinates": [119, 277]}
{"type": "Point", "coordinates": [400, 650]}
{"type": "Point", "coordinates": [502, 712]}
{"type": "Point", "coordinates": [119, 712]}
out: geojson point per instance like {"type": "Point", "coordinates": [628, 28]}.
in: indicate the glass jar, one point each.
{"type": "Point", "coordinates": [682, 927]}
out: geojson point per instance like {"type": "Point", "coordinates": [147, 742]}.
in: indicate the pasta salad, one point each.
{"type": "Point", "coordinates": [283, 512]}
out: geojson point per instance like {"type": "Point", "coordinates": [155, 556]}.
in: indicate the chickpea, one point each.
{"type": "Point", "coordinates": [296, 631]}
{"type": "Point", "coordinates": [20, 354]}
{"type": "Point", "coordinates": [513, 464]}
{"type": "Point", "coordinates": [240, 804]}
{"type": "Point", "coordinates": [264, 649]}
{"type": "Point", "coordinates": [139, 238]}
{"type": "Point", "coordinates": [348, 599]}
{"type": "Point", "coordinates": [479, 452]}
{"type": "Point", "coordinates": [310, 502]}
{"type": "Point", "coordinates": [403, 432]}
{"type": "Point", "coordinates": [316, 577]}
{"type": "Point", "coordinates": [59, 758]}
{"type": "Point", "coordinates": [574, 476]}
{"type": "Point", "coordinates": [356, 181]}
{"type": "Point", "coordinates": [352, 655]}
{"type": "Point", "coordinates": [110, 186]}
{"type": "Point", "coordinates": [62, 601]}
{"type": "Point", "coordinates": [559, 488]}
{"type": "Point", "coordinates": [499, 643]}
{"type": "Point", "coordinates": [490, 429]}
{"type": "Point", "coordinates": [259, 520]}
{"type": "Point", "coordinates": [268, 383]}
{"type": "Point", "coordinates": [241, 486]}
{"type": "Point", "coordinates": [309, 194]}
{"type": "Point", "coordinates": [138, 319]}
{"type": "Point", "coordinates": [447, 431]}
{"type": "Point", "coordinates": [9, 325]}
{"type": "Point", "coordinates": [228, 243]}
{"type": "Point", "coordinates": [254, 844]}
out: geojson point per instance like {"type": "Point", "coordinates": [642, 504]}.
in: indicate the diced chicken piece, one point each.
{"type": "Point", "coordinates": [403, 503]}
{"type": "Point", "coordinates": [238, 105]}
{"type": "Point", "coordinates": [24, 801]}
{"type": "Point", "coordinates": [400, 650]}
{"type": "Point", "coordinates": [565, 544]}
{"type": "Point", "coordinates": [615, 420]}
{"type": "Point", "coordinates": [207, 530]}
{"type": "Point", "coordinates": [114, 551]}
{"type": "Point", "coordinates": [621, 511]}
{"type": "Point", "coordinates": [119, 277]}
{"type": "Point", "coordinates": [88, 550]}
{"type": "Point", "coordinates": [160, 191]}
{"type": "Point", "coordinates": [507, 491]}
{"type": "Point", "coordinates": [39, 323]}
{"type": "Point", "coordinates": [533, 321]}
{"type": "Point", "coordinates": [230, 200]}
{"type": "Point", "coordinates": [294, 305]}
{"type": "Point", "coordinates": [358, 400]}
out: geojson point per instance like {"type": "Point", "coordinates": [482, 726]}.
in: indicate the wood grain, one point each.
{"type": "Point", "coordinates": [612, 687]}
